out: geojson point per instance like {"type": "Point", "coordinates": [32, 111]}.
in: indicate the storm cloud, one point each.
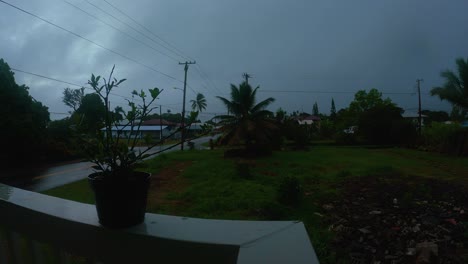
{"type": "Point", "coordinates": [329, 48]}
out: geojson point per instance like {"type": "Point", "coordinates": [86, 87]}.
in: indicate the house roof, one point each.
{"type": "Point", "coordinates": [142, 128]}
{"type": "Point", "coordinates": [412, 115]}
{"type": "Point", "coordinates": [312, 117]}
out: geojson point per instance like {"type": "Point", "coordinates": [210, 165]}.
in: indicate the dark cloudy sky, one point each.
{"type": "Point", "coordinates": [295, 45]}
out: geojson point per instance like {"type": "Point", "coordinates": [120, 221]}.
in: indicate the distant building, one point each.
{"type": "Point", "coordinates": [140, 132]}
{"type": "Point", "coordinates": [414, 117]}
{"type": "Point", "coordinates": [158, 122]}
{"type": "Point", "coordinates": [308, 120]}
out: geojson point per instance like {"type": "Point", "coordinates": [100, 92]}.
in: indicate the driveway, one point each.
{"type": "Point", "coordinates": [55, 176]}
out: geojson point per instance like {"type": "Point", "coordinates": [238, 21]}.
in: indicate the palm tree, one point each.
{"type": "Point", "coordinates": [199, 104]}
{"type": "Point", "coordinates": [455, 89]}
{"type": "Point", "coordinates": [246, 121]}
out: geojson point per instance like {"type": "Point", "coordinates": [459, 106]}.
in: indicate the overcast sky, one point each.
{"type": "Point", "coordinates": [296, 45]}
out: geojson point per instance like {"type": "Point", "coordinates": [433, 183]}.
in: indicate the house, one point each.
{"type": "Point", "coordinates": [192, 130]}
{"type": "Point", "coordinates": [156, 132]}
{"type": "Point", "coordinates": [308, 120]}
{"type": "Point", "coordinates": [414, 117]}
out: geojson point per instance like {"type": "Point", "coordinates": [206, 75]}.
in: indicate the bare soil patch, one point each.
{"type": "Point", "coordinates": [166, 181]}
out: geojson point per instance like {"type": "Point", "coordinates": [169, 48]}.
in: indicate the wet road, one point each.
{"type": "Point", "coordinates": [52, 177]}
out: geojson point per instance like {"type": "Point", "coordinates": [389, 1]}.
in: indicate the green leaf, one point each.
{"type": "Point", "coordinates": [155, 92]}
{"type": "Point", "coordinates": [121, 81]}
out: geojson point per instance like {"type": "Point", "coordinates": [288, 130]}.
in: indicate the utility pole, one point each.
{"type": "Point", "coordinates": [247, 77]}
{"type": "Point", "coordinates": [160, 123]}
{"type": "Point", "coordinates": [183, 106]}
{"type": "Point", "coordinates": [419, 108]}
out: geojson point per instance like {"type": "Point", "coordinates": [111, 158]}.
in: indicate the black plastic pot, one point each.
{"type": "Point", "coordinates": [120, 202]}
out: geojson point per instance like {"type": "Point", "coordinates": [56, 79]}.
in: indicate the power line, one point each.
{"type": "Point", "coordinates": [206, 79]}
{"type": "Point", "coordinates": [328, 92]}
{"type": "Point", "coordinates": [96, 44]}
{"type": "Point", "coordinates": [181, 54]}
{"type": "Point", "coordinates": [62, 81]}
{"type": "Point", "coordinates": [141, 33]}
{"type": "Point", "coordinates": [121, 31]}
{"type": "Point", "coordinates": [45, 77]}
{"type": "Point", "coordinates": [169, 106]}
{"type": "Point", "coordinates": [175, 50]}
{"type": "Point", "coordinates": [131, 27]}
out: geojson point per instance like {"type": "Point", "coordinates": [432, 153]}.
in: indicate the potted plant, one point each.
{"type": "Point", "coordinates": [120, 191]}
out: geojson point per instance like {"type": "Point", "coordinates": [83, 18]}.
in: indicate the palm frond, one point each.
{"type": "Point", "coordinates": [262, 105]}
{"type": "Point", "coordinates": [455, 88]}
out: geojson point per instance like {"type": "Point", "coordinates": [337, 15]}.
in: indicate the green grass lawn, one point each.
{"type": "Point", "coordinates": [207, 185]}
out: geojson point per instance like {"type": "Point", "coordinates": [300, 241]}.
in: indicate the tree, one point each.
{"type": "Point", "coordinates": [333, 110]}
{"type": "Point", "coordinates": [458, 114]}
{"type": "Point", "coordinates": [315, 110]}
{"type": "Point", "coordinates": [248, 123]}
{"type": "Point", "coordinates": [73, 97]}
{"type": "Point", "coordinates": [383, 124]}
{"type": "Point", "coordinates": [455, 88]}
{"type": "Point", "coordinates": [24, 121]}
{"type": "Point", "coordinates": [199, 104]}
{"type": "Point", "coordinates": [364, 101]}
{"type": "Point", "coordinates": [91, 113]}
{"type": "Point", "coordinates": [280, 115]}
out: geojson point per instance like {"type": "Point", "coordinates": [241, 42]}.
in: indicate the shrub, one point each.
{"type": "Point", "coordinates": [299, 134]}
{"type": "Point", "coordinates": [327, 129]}
{"type": "Point", "coordinates": [441, 137]}
{"type": "Point", "coordinates": [383, 124]}
{"type": "Point", "coordinates": [290, 191]}
{"type": "Point", "coordinates": [343, 138]}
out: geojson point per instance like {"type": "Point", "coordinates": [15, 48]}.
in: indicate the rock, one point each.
{"type": "Point", "coordinates": [375, 212]}
{"type": "Point", "coordinates": [411, 251]}
{"type": "Point", "coordinates": [451, 221]}
{"type": "Point", "coordinates": [444, 229]}
{"type": "Point", "coordinates": [430, 220]}
{"type": "Point", "coordinates": [364, 230]}
{"type": "Point", "coordinates": [425, 251]}
{"type": "Point", "coordinates": [318, 214]}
